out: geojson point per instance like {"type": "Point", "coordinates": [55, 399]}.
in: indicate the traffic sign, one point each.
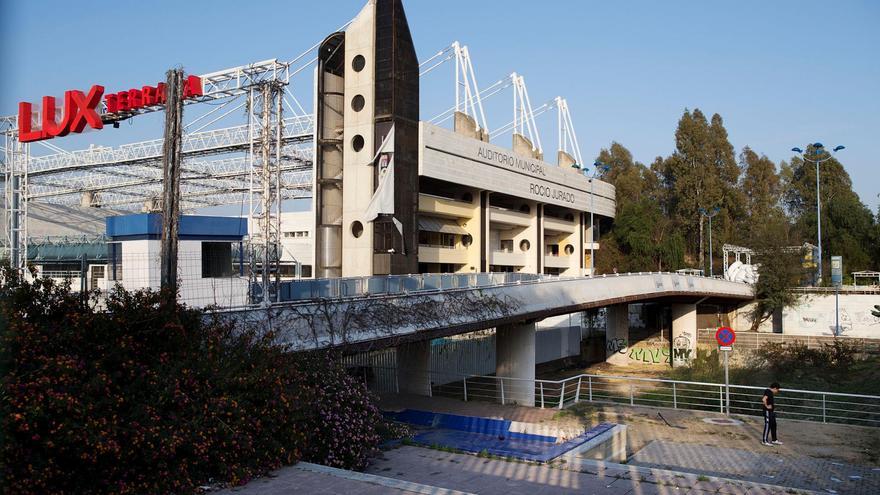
{"type": "Point", "coordinates": [725, 348]}
{"type": "Point", "coordinates": [725, 336]}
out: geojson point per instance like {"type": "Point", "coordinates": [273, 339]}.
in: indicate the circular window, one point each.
{"type": "Point", "coordinates": [467, 240]}
{"type": "Point", "coordinates": [524, 245]}
{"type": "Point", "coordinates": [358, 63]}
{"type": "Point", "coordinates": [525, 209]}
{"type": "Point", "coordinates": [467, 197]}
{"type": "Point", "coordinates": [357, 103]}
{"type": "Point", "coordinates": [569, 249]}
{"type": "Point", "coordinates": [357, 229]}
{"type": "Point", "coordinates": [357, 142]}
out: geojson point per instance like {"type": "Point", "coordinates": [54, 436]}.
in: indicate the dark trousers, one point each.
{"type": "Point", "coordinates": [769, 426]}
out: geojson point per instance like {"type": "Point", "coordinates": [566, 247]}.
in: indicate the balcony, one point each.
{"type": "Point", "coordinates": [551, 261]}
{"type": "Point", "coordinates": [444, 207]}
{"type": "Point", "coordinates": [559, 225]}
{"type": "Point", "coordinates": [509, 217]}
{"type": "Point", "coordinates": [507, 258]}
{"type": "Point", "coordinates": [442, 254]}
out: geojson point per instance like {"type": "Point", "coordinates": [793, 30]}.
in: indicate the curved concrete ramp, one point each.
{"type": "Point", "coordinates": [380, 321]}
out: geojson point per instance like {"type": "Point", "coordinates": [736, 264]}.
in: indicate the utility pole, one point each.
{"type": "Point", "coordinates": [171, 181]}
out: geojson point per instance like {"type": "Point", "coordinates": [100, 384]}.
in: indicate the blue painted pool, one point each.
{"type": "Point", "coordinates": [476, 434]}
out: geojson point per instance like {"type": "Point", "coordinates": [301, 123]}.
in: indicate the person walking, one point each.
{"type": "Point", "coordinates": [768, 404]}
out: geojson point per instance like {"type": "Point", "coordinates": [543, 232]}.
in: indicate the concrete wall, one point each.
{"type": "Point", "coordinates": [815, 315]}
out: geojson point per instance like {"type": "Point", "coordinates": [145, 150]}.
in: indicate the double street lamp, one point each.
{"type": "Point", "coordinates": [819, 155]}
{"type": "Point", "coordinates": [711, 212]}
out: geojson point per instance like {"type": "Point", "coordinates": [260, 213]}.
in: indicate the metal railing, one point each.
{"type": "Point", "coordinates": [755, 340]}
{"type": "Point", "coordinates": [304, 290]}
{"type": "Point", "coordinates": [849, 289]}
{"type": "Point", "coordinates": [808, 405]}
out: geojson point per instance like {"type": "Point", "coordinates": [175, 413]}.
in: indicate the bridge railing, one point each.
{"type": "Point", "coordinates": [808, 405]}
{"type": "Point", "coordinates": [304, 290]}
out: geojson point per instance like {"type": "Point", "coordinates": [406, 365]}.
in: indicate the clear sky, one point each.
{"type": "Point", "coordinates": [781, 73]}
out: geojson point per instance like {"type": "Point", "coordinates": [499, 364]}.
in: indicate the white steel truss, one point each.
{"type": "Point", "coordinates": [523, 116]}
{"type": "Point", "coordinates": [568, 142]}
{"type": "Point", "coordinates": [230, 139]}
{"type": "Point", "coordinates": [15, 179]}
{"type": "Point", "coordinates": [265, 131]}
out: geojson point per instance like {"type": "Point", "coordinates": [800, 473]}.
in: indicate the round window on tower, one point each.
{"type": "Point", "coordinates": [357, 103]}
{"type": "Point", "coordinates": [524, 245]}
{"type": "Point", "coordinates": [467, 240]}
{"type": "Point", "coordinates": [357, 229]}
{"type": "Point", "coordinates": [357, 142]}
{"type": "Point", "coordinates": [358, 63]}
{"type": "Point", "coordinates": [569, 249]}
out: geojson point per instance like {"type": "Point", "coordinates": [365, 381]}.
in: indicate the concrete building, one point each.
{"type": "Point", "coordinates": [394, 195]}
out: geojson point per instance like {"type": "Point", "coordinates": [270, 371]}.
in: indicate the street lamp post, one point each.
{"type": "Point", "coordinates": [710, 213]}
{"type": "Point", "coordinates": [818, 150]}
{"type": "Point", "coordinates": [604, 168]}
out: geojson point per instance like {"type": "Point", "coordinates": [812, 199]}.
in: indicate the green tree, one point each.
{"type": "Point", "coordinates": [701, 173]}
{"type": "Point", "coordinates": [761, 188]}
{"type": "Point", "coordinates": [779, 269]}
{"type": "Point", "coordinates": [642, 237]}
{"type": "Point", "coordinates": [849, 229]}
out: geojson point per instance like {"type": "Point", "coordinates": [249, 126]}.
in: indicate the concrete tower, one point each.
{"type": "Point", "coordinates": [367, 85]}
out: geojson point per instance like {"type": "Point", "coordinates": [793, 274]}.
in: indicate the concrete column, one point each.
{"type": "Point", "coordinates": [617, 334]}
{"type": "Point", "coordinates": [515, 358]}
{"type": "Point", "coordinates": [684, 333]}
{"type": "Point", "coordinates": [413, 365]}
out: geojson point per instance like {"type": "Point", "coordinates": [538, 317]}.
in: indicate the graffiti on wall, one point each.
{"type": "Point", "coordinates": [616, 345]}
{"type": "Point", "coordinates": [681, 348]}
{"type": "Point", "coordinates": [650, 355]}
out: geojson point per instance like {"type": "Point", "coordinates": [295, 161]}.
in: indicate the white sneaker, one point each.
{"type": "Point", "coordinates": [776, 442]}
{"type": "Point", "coordinates": [767, 444]}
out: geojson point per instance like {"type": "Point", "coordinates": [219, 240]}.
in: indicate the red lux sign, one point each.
{"type": "Point", "coordinates": [81, 110]}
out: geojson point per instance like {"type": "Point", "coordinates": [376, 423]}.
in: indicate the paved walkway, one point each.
{"type": "Point", "coordinates": [499, 477]}
{"type": "Point", "coordinates": [313, 479]}
{"type": "Point", "coordinates": [763, 467]}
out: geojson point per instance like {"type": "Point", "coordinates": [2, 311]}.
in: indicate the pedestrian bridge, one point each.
{"type": "Point", "coordinates": [375, 312]}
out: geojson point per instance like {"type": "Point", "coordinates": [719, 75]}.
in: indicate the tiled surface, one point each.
{"type": "Point", "coordinates": [767, 466]}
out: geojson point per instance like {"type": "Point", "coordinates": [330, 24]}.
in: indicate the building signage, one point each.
{"type": "Point", "coordinates": [511, 161]}
{"type": "Point", "coordinates": [550, 192]}
{"type": "Point", "coordinates": [81, 109]}
{"type": "Point", "coordinates": [458, 159]}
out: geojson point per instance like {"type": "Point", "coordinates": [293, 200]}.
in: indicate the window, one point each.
{"type": "Point", "coordinates": [216, 259]}
{"type": "Point", "coordinates": [357, 103]}
{"type": "Point", "coordinates": [306, 271]}
{"type": "Point", "coordinates": [296, 233]}
{"type": "Point", "coordinates": [358, 63]}
{"type": "Point", "coordinates": [357, 142]}
{"type": "Point", "coordinates": [507, 245]}
{"type": "Point", "coordinates": [569, 249]}
{"type": "Point", "coordinates": [553, 249]}
{"type": "Point", "coordinates": [357, 229]}
{"type": "Point", "coordinates": [524, 245]}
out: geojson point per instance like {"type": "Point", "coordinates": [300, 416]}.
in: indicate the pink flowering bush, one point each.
{"type": "Point", "coordinates": [146, 397]}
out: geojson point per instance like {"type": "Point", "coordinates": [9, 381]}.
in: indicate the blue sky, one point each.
{"type": "Point", "coordinates": [780, 73]}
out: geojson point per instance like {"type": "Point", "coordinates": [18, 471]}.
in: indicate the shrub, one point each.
{"type": "Point", "coordinates": [782, 358]}
{"type": "Point", "coordinates": [148, 397]}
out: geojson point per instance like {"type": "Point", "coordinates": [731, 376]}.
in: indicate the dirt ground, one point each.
{"type": "Point", "coordinates": [855, 444]}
